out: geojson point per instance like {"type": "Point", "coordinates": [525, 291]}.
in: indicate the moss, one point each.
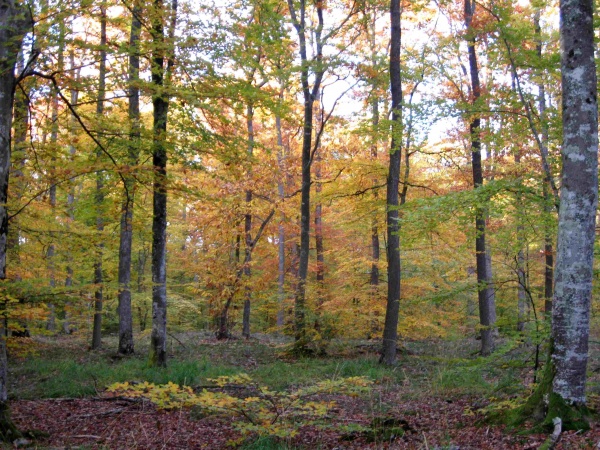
{"type": "Point", "coordinates": [574, 417]}
{"type": "Point", "coordinates": [8, 430]}
{"type": "Point", "coordinates": [543, 405]}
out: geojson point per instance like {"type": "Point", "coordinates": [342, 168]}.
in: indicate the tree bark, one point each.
{"type": "Point", "coordinates": [160, 102]}
{"type": "Point", "coordinates": [548, 200]}
{"type": "Point", "coordinates": [67, 329]}
{"type": "Point", "coordinates": [98, 277]}
{"type": "Point", "coordinates": [13, 26]}
{"type": "Point", "coordinates": [375, 253]}
{"type": "Point", "coordinates": [281, 229]}
{"type": "Point", "coordinates": [126, 344]}
{"type": "Point", "coordinates": [485, 288]}
{"type": "Point", "coordinates": [390, 331]}
{"type": "Point", "coordinates": [579, 200]}
{"type": "Point", "coordinates": [309, 94]}
{"type": "Point", "coordinates": [51, 252]}
{"type": "Point", "coordinates": [248, 225]}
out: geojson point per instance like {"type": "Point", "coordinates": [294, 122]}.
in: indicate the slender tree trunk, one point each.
{"type": "Point", "coordinates": [486, 295]}
{"type": "Point", "coordinates": [374, 277]}
{"type": "Point", "coordinates": [521, 271]}
{"type": "Point", "coordinates": [160, 102]}
{"type": "Point", "coordinates": [375, 254]}
{"type": "Point", "coordinates": [67, 329]}
{"type": "Point", "coordinates": [19, 156]}
{"type": "Point", "coordinates": [548, 200]}
{"type": "Point", "coordinates": [319, 230]}
{"type": "Point", "coordinates": [98, 277]}
{"type": "Point", "coordinates": [248, 226]}
{"type": "Point", "coordinates": [579, 201]}
{"type": "Point", "coordinates": [141, 288]}
{"type": "Point", "coordinates": [299, 22]}
{"type": "Point", "coordinates": [390, 331]}
{"type": "Point", "coordinates": [281, 229]}
{"type": "Point", "coordinates": [126, 345]}
{"type": "Point", "coordinates": [13, 26]}
{"type": "Point", "coordinates": [51, 252]}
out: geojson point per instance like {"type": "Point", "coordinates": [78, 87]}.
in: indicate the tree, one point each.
{"type": "Point", "coordinates": [390, 331]}
{"type": "Point", "coordinates": [126, 345]}
{"type": "Point", "coordinates": [161, 76]}
{"type": "Point", "coordinates": [309, 93]}
{"type": "Point", "coordinates": [579, 201]}
{"type": "Point", "coordinates": [485, 289]}
{"type": "Point", "coordinates": [561, 392]}
{"type": "Point", "coordinates": [13, 26]}
{"type": "Point", "coordinates": [99, 194]}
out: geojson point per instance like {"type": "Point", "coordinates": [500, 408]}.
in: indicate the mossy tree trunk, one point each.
{"type": "Point", "coordinates": [561, 393]}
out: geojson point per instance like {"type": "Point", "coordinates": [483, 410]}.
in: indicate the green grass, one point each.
{"type": "Point", "coordinates": [64, 378]}
{"type": "Point", "coordinates": [65, 368]}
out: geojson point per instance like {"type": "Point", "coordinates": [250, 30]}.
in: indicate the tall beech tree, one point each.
{"type": "Point", "coordinates": [316, 68]}
{"type": "Point", "coordinates": [561, 393]}
{"type": "Point", "coordinates": [390, 330]}
{"type": "Point", "coordinates": [14, 23]}
{"type": "Point", "coordinates": [577, 214]}
{"type": "Point", "coordinates": [162, 62]}
{"type": "Point", "coordinates": [99, 194]}
{"type": "Point", "coordinates": [126, 344]}
{"type": "Point", "coordinates": [485, 288]}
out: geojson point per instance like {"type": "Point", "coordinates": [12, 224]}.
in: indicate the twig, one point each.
{"type": "Point", "coordinates": [105, 413]}
{"type": "Point", "coordinates": [180, 343]}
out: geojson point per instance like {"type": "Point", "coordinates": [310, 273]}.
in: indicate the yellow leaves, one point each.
{"type": "Point", "coordinates": [268, 413]}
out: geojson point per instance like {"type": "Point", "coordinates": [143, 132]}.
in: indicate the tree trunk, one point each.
{"type": "Point", "coordinates": [160, 102]}
{"type": "Point", "coordinates": [67, 329]}
{"type": "Point", "coordinates": [19, 156]}
{"type": "Point", "coordinates": [98, 277]}
{"type": "Point", "coordinates": [390, 331]}
{"type": "Point", "coordinates": [126, 345]}
{"type": "Point", "coordinates": [548, 200]}
{"type": "Point", "coordinates": [281, 240]}
{"type": "Point", "coordinates": [319, 232]}
{"type": "Point", "coordinates": [374, 277]}
{"type": "Point", "coordinates": [579, 199]}
{"type": "Point", "coordinates": [248, 225]}
{"type": "Point", "coordinates": [13, 26]}
{"type": "Point", "coordinates": [309, 94]}
{"type": "Point", "coordinates": [51, 252]}
{"type": "Point", "coordinates": [486, 295]}
{"type": "Point", "coordinates": [561, 392]}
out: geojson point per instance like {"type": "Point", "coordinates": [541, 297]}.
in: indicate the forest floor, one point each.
{"type": "Point", "coordinates": [437, 394]}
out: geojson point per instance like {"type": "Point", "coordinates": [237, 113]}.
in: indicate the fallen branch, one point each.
{"type": "Point", "coordinates": [552, 440]}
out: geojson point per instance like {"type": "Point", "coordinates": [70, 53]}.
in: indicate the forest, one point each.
{"type": "Point", "coordinates": [292, 224]}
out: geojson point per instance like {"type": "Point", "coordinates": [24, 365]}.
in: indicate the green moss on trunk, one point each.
{"type": "Point", "coordinates": [543, 405]}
